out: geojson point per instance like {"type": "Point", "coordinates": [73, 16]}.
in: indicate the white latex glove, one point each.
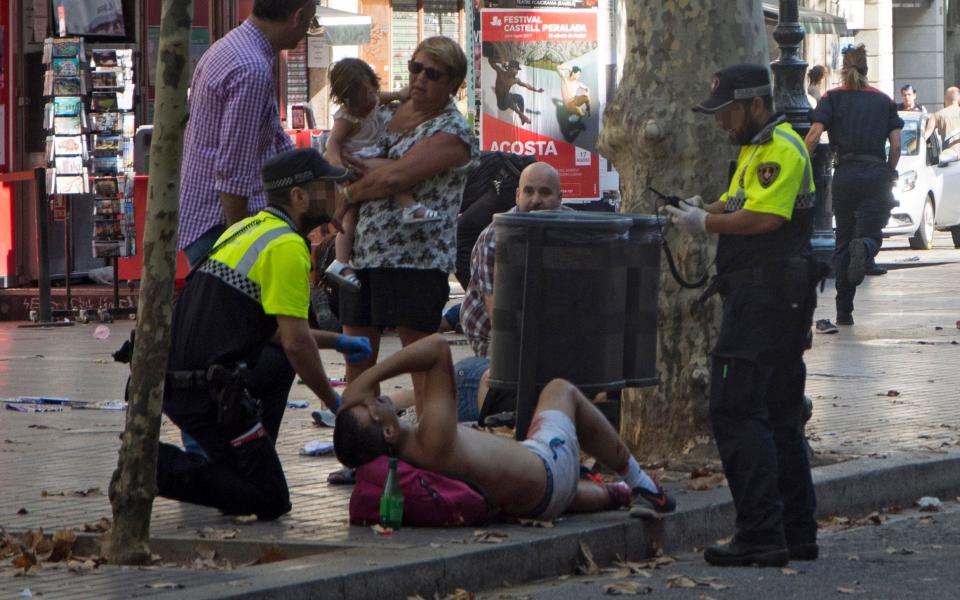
{"type": "Point", "coordinates": [689, 218]}
{"type": "Point", "coordinates": [695, 201]}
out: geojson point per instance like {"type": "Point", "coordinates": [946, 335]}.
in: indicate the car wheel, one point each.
{"type": "Point", "coordinates": [923, 238]}
{"type": "Point", "coordinates": [955, 233]}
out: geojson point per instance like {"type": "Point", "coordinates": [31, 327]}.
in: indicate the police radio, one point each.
{"type": "Point", "coordinates": [675, 202]}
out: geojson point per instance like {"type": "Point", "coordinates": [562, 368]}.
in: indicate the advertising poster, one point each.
{"type": "Point", "coordinates": [539, 91]}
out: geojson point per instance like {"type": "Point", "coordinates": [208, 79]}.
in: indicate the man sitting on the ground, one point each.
{"type": "Point", "coordinates": [538, 478]}
{"type": "Point", "coordinates": [539, 189]}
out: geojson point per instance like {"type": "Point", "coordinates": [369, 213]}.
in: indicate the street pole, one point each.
{"type": "Point", "coordinates": [790, 97]}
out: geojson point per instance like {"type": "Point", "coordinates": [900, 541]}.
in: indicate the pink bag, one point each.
{"type": "Point", "coordinates": [429, 499]}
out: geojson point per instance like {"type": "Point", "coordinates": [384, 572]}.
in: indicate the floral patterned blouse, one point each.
{"type": "Point", "coordinates": [381, 240]}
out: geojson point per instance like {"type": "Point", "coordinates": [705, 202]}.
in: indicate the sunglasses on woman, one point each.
{"type": "Point", "coordinates": [432, 74]}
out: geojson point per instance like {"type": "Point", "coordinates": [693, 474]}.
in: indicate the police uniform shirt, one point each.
{"type": "Point", "coordinates": [859, 121]}
{"type": "Point", "coordinates": [229, 307]}
{"type": "Point", "coordinates": [773, 176]}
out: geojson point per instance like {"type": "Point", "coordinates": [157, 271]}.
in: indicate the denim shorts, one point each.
{"type": "Point", "coordinates": [468, 373]}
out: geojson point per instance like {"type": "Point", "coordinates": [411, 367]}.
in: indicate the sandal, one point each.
{"type": "Point", "coordinates": [335, 273]}
{"type": "Point", "coordinates": [344, 476]}
{"type": "Point", "coordinates": [409, 215]}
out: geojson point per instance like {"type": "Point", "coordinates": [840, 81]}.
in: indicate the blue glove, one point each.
{"type": "Point", "coordinates": [354, 348]}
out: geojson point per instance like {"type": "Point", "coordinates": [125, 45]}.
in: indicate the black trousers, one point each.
{"type": "Point", "coordinates": [240, 480]}
{"type": "Point", "coordinates": [862, 200]}
{"type": "Point", "coordinates": [756, 411]}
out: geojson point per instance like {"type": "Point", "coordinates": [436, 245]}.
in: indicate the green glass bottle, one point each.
{"type": "Point", "coordinates": [391, 502]}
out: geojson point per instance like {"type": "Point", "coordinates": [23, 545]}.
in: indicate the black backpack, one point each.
{"type": "Point", "coordinates": [491, 188]}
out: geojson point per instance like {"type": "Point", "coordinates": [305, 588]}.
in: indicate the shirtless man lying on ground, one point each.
{"type": "Point", "coordinates": [538, 478]}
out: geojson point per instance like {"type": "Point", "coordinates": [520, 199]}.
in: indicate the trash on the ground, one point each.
{"type": "Point", "coordinates": [101, 332]}
{"type": "Point", "coordinates": [164, 585]}
{"type": "Point", "coordinates": [22, 511]}
{"type": "Point", "coordinates": [298, 403]}
{"type": "Point", "coordinates": [908, 259]}
{"type": "Point", "coordinates": [101, 275]}
{"type": "Point", "coordinates": [29, 408]}
{"type": "Point", "coordinates": [929, 504]}
{"type": "Point", "coordinates": [381, 530]}
{"type": "Point", "coordinates": [789, 571]}
{"type": "Point", "coordinates": [245, 519]}
{"type": "Point", "coordinates": [626, 588]}
{"type": "Point", "coordinates": [892, 393]}
{"type": "Point", "coordinates": [324, 418]}
{"type": "Point", "coordinates": [26, 593]}
{"type": "Point", "coordinates": [205, 552]}
{"type": "Point", "coordinates": [903, 551]}
{"type": "Point", "coordinates": [107, 405]}
{"type": "Point", "coordinates": [853, 557]}
{"type": "Point", "coordinates": [317, 448]}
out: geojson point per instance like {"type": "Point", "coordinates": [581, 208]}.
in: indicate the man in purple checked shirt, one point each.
{"type": "Point", "coordinates": [234, 124]}
{"type": "Point", "coordinates": [233, 129]}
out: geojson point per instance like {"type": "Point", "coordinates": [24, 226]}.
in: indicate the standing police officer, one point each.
{"type": "Point", "coordinates": [860, 119]}
{"type": "Point", "coordinates": [252, 287]}
{"type": "Point", "coordinates": [766, 279]}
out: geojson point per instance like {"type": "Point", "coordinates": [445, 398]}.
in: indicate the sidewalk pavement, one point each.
{"type": "Point", "coordinates": [885, 397]}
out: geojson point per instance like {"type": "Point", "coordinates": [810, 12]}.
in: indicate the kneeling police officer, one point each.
{"type": "Point", "coordinates": [251, 289]}
{"type": "Point", "coordinates": [767, 281]}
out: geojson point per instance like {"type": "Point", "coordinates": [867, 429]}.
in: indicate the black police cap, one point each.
{"type": "Point", "coordinates": [299, 167]}
{"type": "Point", "coordinates": [738, 82]}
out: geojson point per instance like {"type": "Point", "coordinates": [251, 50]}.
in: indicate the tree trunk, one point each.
{"type": "Point", "coordinates": [134, 483]}
{"type": "Point", "coordinates": [653, 138]}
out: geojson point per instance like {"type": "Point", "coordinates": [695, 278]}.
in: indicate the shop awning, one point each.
{"type": "Point", "coordinates": [812, 21]}
{"type": "Point", "coordinates": [341, 28]}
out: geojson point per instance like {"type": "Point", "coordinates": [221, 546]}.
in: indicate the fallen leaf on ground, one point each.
{"type": "Point", "coordinates": [893, 393]}
{"type": "Point", "coordinates": [210, 533]}
{"type": "Point", "coordinates": [22, 511]}
{"type": "Point", "coordinates": [626, 588]}
{"type": "Point", "coordinates": [587, 566]}
{"type": "Point", "coordinates": [245, 519]}
{"type": "Point", "coordinates": [104, 524]}
{"type": "Point", "coordinates": [488, 536]}
{"type": "Point", "coordinates": [205, 552]}
{"type": "Point", "coordinates": [536, 523]}
{"type": "Point", "coordinates": [270, 554]}
{"type": "Point", "coordinates": [680, 581]}
{"type": "Point", "coordinates": [709, 482]}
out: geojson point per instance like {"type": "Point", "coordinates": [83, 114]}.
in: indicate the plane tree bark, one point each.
{"type": "Point", "coordinates": [134, 483]}
{"type": "Point", "coordinates": [653, 138]}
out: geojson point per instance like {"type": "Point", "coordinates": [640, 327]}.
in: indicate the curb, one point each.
{"type": "Point", "coordinates": [431, 564]}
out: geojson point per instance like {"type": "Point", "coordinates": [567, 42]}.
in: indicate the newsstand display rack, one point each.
{"type": "Point", "coordinates": [90, 127]}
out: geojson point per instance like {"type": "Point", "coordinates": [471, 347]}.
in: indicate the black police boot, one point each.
{"type": "Point", "coordinates": [741, 554]}
{"type": "Point", "coordinates": [807, 551]}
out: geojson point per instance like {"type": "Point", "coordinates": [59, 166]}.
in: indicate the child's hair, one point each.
{"type": "Point", "coordinates": [347, 82]}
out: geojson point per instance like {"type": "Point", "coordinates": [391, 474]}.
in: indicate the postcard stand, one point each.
{"type": "Point", "coordinates": [90, 125]}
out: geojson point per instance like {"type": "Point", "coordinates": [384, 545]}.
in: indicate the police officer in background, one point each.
{"type": "Point", "coordinates": [767, 280]}
{"type": "Point", "coordinates": [860, 120]}
{"type": "Point", "coordinates": [251, 288]}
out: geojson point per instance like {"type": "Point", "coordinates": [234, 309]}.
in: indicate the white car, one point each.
{"type": "Point", "coordinates": [928, 189]}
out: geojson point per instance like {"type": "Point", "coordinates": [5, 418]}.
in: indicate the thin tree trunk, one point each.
{"type": "Point", "coordinates": [653, 138]}
{"type": "Point", "coordinates": [134, 483]}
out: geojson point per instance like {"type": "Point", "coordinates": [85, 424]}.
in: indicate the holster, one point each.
{"type": "Point", "coordinates": [236, 408]}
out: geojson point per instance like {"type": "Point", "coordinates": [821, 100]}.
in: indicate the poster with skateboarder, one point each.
{"type": "Point", "coordinates": [539, 91]}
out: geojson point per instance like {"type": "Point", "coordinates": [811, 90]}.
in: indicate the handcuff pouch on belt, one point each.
{"type": "Point", "coordinates": [236, 408]}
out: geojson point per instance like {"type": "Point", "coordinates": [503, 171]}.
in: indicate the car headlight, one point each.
{"type": "Point", "coordinates": [908, 181]}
